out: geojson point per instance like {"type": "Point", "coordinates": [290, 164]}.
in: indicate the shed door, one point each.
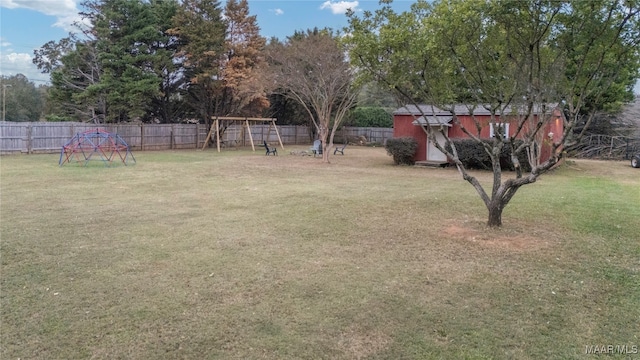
{"type": "Point", "coordinates": [433, 154]}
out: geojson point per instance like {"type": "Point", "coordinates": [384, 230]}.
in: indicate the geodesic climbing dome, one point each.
{"type": "Point", "coordinates": [96, 144]}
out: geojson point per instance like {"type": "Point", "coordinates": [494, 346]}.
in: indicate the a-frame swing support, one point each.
{"type": "Point", "coordinates": [245, 121]}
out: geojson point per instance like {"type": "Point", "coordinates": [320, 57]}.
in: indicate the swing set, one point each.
{"type": "Point", "coordinates": [225, 122]}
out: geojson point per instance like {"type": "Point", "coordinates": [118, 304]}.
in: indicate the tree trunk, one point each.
{"type": "Point", "coordinates": [495, 214]}
{"type": "Point", "coordinates": [324, 134]}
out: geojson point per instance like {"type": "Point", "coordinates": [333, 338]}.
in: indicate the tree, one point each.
{"type": "Point", "coordinates": [73, 66]}
{"type": "Point", "coordinates": [510, 57]}
{"type": "Point", "coordinates": [287, 110]}
{"type": "Point", "coordinates": [20, 99]}
{"type": "Point", "coordinates": [121, 66]}
{"type": "Point", "coordinates": [201, 31]}
{"type": "Point", "coordinates": [167, 106]}
{"type": "Point", "coordinates": [130, 38]}
{"type": "Point", "coordinates": [312, 69]}
{"type": "Point", "coordinates": [244, 74]}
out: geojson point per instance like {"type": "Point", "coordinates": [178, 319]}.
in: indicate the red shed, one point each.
{"type": "Point", "coordinates": [411, 121]}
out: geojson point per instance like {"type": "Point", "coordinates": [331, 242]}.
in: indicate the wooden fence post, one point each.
{"type": "Point", "coordinates": [29, 139]}
{"type": "Point", "coordinates": [172, 140]}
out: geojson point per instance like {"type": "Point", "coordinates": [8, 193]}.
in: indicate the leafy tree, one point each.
{"type": "Point", "coordinates": [121, 66]}
{"type": "Point", "coordinates": [73, 66]}
{"type": "Point", "coordinates": [509, 57]}
{"type": "Point", "coordinates": [167, 106]}
{"type": "Point", "coordinates": [312, 69]}
{"type": "Point", "coordinates": [201, 31]}
{"type": "Point", "coordinates": [20, 99]}
{"type": "Point", "coordinates": [368, 116]}
{"type": "Point", "coordinates": [373, 94]}
{"type": "Point", "coordinates": [128, 38]}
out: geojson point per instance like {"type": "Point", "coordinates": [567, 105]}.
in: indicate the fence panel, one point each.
{"type": "Point", "coordinates": [130, 133]}
{"type": "Point", "coordinates": [13, 137]}
{"type": "Point", "coordinates": [46, 137]}
{"type": "Point", "coordinates": [371, 134]}
{"type": "Point", "coordinates": [184, 136]}
{"type": "Point", "coordinates": [156, 137]}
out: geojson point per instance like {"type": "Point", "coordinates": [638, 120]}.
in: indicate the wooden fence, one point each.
{"type": "Point", "coordinates": [49, 137]}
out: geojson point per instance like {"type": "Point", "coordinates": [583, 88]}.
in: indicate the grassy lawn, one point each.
{"type": "Point", "coordinates": [200, 255]}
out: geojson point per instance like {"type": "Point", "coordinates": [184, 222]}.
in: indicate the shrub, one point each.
{"type": "Point", "coordinates": [402, 149]}
{"type": "Point", "coordinates": [473, 156]}
{"type": "Point", "coordinates": [368, 116]}
{"type": "Point", "coordinates": [56, 118]}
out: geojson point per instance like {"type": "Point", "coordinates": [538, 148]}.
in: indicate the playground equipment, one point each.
{"type": "Point", "coordinates": [96, 144]}
{"type": "Point", "coordinates": [224, 122]}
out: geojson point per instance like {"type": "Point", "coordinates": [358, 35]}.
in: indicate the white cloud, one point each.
{"type": "Point", "coordinates": [15, 58]}
{"type": "Point", "coordinates": [339, 7]}
{"type": "Point", "coordinates": [66, 11]}
{"type": "Point", "coordinates": [13, 63]}
{"type": "Point", "coordinates": [277, 11]}
{"type": "Point", "coordinates": [20, 63]}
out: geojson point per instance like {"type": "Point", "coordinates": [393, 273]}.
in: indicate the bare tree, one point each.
{"type": "Point", "coordinates": [312, 69]}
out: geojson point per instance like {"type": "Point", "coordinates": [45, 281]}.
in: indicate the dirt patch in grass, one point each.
{"type": "Point", "coordinates": [501, 239]}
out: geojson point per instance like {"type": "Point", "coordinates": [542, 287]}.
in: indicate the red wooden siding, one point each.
{"type": "Point", "coordinates": [403, 127]}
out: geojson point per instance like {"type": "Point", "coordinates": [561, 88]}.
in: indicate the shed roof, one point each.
{"type": "Point", "coordinates": [460, 109]}
{"type": "Point", "coordinates": [434, 120]}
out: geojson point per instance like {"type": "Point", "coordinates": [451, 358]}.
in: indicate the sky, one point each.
{"type": "Point", "coordinates": [26, 25]}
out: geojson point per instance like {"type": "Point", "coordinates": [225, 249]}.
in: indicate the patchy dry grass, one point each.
{"type": "Point", "coordinates": [193, 254]}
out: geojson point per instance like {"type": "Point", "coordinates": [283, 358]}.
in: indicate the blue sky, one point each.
{"type": "Point", "coordinates": [26, 25]}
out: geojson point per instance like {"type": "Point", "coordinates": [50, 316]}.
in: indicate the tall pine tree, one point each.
{"type": "Point", "coordinates": [128, 33]}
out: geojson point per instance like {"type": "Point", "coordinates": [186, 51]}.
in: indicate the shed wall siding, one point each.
{"type": "Point", "coordinates": [403, 127]}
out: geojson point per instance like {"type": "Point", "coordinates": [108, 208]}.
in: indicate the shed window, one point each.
{"type": "Point", "coordinates": [502, 128]}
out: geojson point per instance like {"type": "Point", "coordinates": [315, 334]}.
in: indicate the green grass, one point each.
{"type": "Point", "coordinates": [206, 255]}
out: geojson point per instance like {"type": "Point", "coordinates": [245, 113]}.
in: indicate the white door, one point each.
{"type": "Point", "coordinates": [433, 154]}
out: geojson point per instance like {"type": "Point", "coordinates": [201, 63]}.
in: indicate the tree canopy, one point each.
{"type": "Point", "coordinates": [509, 57]}
{"type": "Point", "coordinates": [158, 60]}
{"type": "Point", "coordinates": [20, 99]}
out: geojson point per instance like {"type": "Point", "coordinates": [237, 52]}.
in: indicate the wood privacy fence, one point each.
{"type": "Point", "coordinates": [49, 137]}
